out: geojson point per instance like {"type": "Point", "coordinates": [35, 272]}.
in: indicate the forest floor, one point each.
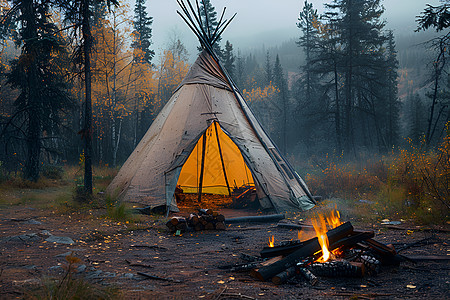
{"type": "Point", "coordinates": [108, 253]}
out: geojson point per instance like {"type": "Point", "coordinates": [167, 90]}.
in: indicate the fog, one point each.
{"type": "Point", "coordinates": [265, 22]}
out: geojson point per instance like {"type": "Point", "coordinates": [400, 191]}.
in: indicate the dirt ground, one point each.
{"type": "Point", "coordinates": [112, 253]}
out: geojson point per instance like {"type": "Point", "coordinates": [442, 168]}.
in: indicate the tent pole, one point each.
{"type": "Point", "coordinates": [202, 168]}
{"type": "Point", "coordinates": [221, 159]}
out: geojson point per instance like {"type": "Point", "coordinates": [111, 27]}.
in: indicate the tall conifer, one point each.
{"type": "Point", "coordinates": [142, 33]}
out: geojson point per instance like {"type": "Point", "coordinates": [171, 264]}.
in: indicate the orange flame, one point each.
{"type": "Point", "coordinates": [271, 241]}
{"type": "Point", "coordinates": [333, 219]}
{"type": "Point", "coordinates": [320, 226]}
{"type": "Point", "coordinates": [323, 241]}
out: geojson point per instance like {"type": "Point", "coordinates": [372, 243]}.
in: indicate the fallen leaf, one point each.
{"type": "Point", "coordinates": [410, 286]}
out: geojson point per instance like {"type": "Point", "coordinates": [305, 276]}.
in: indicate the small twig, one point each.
{"type": "Point", "coordinates": [149, 246]}
{"type": "Point", "coordinates": [238, 295]}
{"type": "Point", "coordinates": [221, 293]}
{"type": "Point", "coordinates": [157, 277]}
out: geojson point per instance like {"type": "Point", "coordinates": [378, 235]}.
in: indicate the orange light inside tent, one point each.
{"type": "Point", "coordinates": [214, 179]}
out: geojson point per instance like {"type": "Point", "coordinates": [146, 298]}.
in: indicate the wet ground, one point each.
{"type": "Point", "coordinates": [112, 253]}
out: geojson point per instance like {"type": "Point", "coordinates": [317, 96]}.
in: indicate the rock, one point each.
{"type": "Point", "coordinates": [94, 274]}
{"type": "Point", "coordinates": [31, 267]}
{"type": "Point", "coordinates": [81, 268]}
{"type": "Point", "coordinates": [128, 275]}
{"type": "Point", "coordinates": [29, 237]}
{"type": "Point", "coordinates": [60, 240]}
{"type": "Point", "coordinates": [46, 233]}
{"type": "Point", "coordinates": [33, 221]}
{"type": "Point", "coordinates": [56, 269]}
{"type": "Point", "coordinates": [108, 275]}
{"type": "Point", "coordinates": [64, 254]}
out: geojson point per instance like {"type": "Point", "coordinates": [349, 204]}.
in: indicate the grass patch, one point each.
{"type": "Point", "coordinates": [71, 287]}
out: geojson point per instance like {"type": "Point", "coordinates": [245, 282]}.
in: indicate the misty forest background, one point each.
{"type": "Point", "coordinates": [360, 112]}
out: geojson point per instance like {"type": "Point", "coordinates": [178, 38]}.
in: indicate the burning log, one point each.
{"type": "Point", "coordinates": [352, 240]}
{"type": "Point", "coordinates": [338, 268]}
{"type": "Point", "coordinates": [283, 249]}
{"type": "Point", "coordinates": [267, 272]}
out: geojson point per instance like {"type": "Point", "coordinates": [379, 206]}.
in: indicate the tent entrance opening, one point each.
{"type": "Point", "coordinates": [215, 166]}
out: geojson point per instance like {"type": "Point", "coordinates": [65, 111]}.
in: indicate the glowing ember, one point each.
{"type": "Point", "coordinates": [271, 241]}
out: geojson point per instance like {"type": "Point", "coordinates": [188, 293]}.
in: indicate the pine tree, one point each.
{"type": "Point", "coordinates": [308, 24]}
{"type": "Point", "coordinates": [229, 59]}
{"type": "Point", "coordinates": [240, 66]}
{"type": "Point", "coordinates": [280, 82]}
{"type": "Point", "coordinates": [268, 69]}
{"type": "Point", "coordinates": [393, 103]}
{"type": "Point", "coordinates": [357, 25]}
{"type": "Point", "coordinates": [37, 73]}
{"type": "Point", "coordinates": [142, 33]}
{"type": "Point", "coordinates": [208, 16]}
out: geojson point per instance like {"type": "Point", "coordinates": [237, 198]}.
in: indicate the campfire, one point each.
{"type": "Point", "coordinates": [337, 250]}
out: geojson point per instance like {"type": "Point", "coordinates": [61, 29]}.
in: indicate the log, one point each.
{"type": "Point", "coordinates": [220, 226]}
{"type": "Point", "coordinates": [338, 268]}
{"type": "Point", "coordinates": [205, 211]}
{"type": "Point", "coordinates": [176, 220]}
{"type": "Point", "coordinates": [220, 218]}
{"type": "Point", "coordinates": [312, 279]}
{"type": "Point", "coordinates": [284, 276]}
{"type": "Point", "coordinates": [281, 249]}
{"type": "Point", "coordinates": [255, 219]}
{"type": "Point", "coordinates": [209, 226]}
{"type": "Point", "coordinates": [193, 219]}
{"type": "Point", "coordinates": [267, 272]}
{"type": "Point", "coordinates": [353, 239]}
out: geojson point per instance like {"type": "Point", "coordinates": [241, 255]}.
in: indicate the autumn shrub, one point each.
{"type": "Point", "coordinates": [425, 177]}
{"type": "Point", "coordinates": [408, 183]}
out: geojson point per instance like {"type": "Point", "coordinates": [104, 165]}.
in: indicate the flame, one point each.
{"type": "Point", "coordinates": [333, 219]}
{"type": "Point", "coordinates": [271, 241]}
{"type": "Point", "coordinates": [320, 226]}
{"type": "Point", "coordinates": [323, 241]}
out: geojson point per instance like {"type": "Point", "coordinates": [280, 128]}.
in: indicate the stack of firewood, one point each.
{"type": "Point", "coordinates": [205, 219]}
{"type": "Point", "coordinates": [361, 255]}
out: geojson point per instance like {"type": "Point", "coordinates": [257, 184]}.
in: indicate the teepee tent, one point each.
{"type": "Point", "coordinates": [207, 140]}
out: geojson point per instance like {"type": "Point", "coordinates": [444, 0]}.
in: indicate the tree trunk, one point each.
{"type": "Point", "coordinates": [87, 130]}
{"type": "Point", "coordinates": [34, 118]}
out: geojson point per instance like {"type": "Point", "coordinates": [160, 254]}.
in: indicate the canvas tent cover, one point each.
{"type": "Point", "coordinates": [205, 97]}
